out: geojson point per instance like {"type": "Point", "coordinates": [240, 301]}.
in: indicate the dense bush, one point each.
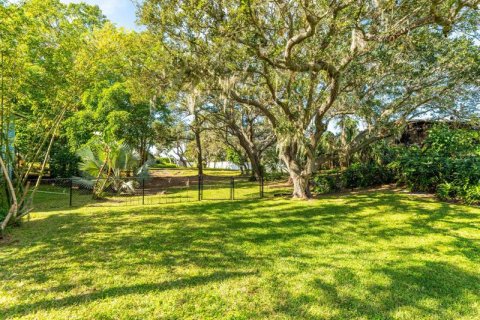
{"type": "Point", "coordinates": [361, 175]}
{"type": "Point", "coordinates": [163, 166]}
{"type": "Point", "coordinates": [418, 172]}
{"type": "Point", "coordinates": [356, 176]}
{"type": "Point", "coordinates": [472, 195]}
{"type": "Point", "coordinates": [448, 191]}
{"type": "Point", "coordinates": [326, 183]}
{"type": "Point", "coordinates": [63, 162]}
{"type": "Point", "coordinates": [448, 164]}
{"type": "Point", "coordinates": [3, 200]}
{"type": "Point", "coordinates": [163, 160]}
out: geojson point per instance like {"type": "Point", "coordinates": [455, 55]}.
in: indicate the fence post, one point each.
{"type": "Point", "coordinates": [232, 188]}
{"type": "Point", "coordinates": [199, 187]}
{"type": "Point", "coordinates": [143, 191]}
{"type": "Point", "coordinates": [71, 192]}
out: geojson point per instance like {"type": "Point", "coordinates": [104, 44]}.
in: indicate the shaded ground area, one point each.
{"type": "Point", "coordinates": [379, 255]}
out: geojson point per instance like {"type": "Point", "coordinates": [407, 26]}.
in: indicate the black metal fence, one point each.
{"type": "Point", "coordinates": [75, 192]}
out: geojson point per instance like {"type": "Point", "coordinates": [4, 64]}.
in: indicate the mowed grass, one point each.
{"type": "Point", "coordinates": [192, 172]}
{"type": "Point", "coordinates": [54, 197]}
{"type": "Point", "coordinates": [374, 255]}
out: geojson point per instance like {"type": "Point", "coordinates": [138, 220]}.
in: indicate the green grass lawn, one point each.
{"type": "Point", "coordinates": [55, 197]}
{"type": "Point", "coordinates": [191, 172]}
{"type": "Point", "coordinates": [378, 255]}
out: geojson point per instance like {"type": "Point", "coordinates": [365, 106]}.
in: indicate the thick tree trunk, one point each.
{"type": "Point", "coordinates": [300, 172]}
{"type": "Point", "coordinates": [199, 152]}
{"type": "Point", "coordinates": [301, 186]}
{"type": "Point", "coordinates": [252, 154]}
{"type": "Point", "coordinates": [256, 167]}
{"type": "Point", "coordinates": [143, 154]}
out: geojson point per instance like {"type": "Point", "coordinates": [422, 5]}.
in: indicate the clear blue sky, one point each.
{"type": "Point", "coordinates": [121, 12]}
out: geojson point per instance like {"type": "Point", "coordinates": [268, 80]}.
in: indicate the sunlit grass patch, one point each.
{"type": "Point", "coordinates": [373, 255]}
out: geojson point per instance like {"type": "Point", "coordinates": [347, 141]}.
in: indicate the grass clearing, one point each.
{"type": "Point", "coordinates": [373, 255]}
{"type": "Point", "coordinates": [191, 172]}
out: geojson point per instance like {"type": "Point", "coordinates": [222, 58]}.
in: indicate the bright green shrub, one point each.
{"type": "Point", "coordinates": [448, 191]}
{"type": "Point", "coordinates": [163, 160]}
{"type": "Point", "coordinates": [163, 163]}
{"type": "Point", "coordinates": [472, 195]}
{"type": "Point", "coordinates": [164, 166]}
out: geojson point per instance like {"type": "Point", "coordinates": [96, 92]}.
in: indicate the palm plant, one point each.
{"type": "Point", "coordinates": [108, 163]}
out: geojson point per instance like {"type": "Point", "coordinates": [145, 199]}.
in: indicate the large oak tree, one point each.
{"type": "Point", "coordinates": [296, 60]}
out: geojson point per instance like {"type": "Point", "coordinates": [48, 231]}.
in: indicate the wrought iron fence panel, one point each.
{"type": "Point", "coordinates": [133, 191]}
{"type": "Point", "coordinates": [216, 188]}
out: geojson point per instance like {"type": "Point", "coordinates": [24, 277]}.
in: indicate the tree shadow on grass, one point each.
{"type": "Point", "coordinates": [253, 235]}
{"type": "Point", "coordinates": [208, 234]}
{"type": "Point", "coordinates": [421, 291]}
{"type": "Point", "coordinates": [113, 292]}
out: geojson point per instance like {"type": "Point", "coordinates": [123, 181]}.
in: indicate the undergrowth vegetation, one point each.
{"type": "Point", "coordinates": [447, 164]}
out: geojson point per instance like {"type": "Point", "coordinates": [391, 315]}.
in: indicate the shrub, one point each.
{"type": "Point", "coordinates": [448, 191]}
{"type": "Point", "coordinates": [367, 175]}
{"type": "Point", "coordinates": [472, 195]}
{"type": "Point", "coordinates": [164, 166]}
{"type": "Point", "coordinates": [163, 163]}
{"type": "Point", "coordinates": [163, 160]}
{"type": "Point", "coordinates": [63, 162]}
{"type": "Point", "coordinates": [448, 162]}
{"type": "Point", "coordinates": [326, 183]}
{"type": "Point", "coordinates": [356, 176]}
{"type": "Point", "coordinates": [275, 176]}
{"type": "Point", "coordinates": [418, 172]}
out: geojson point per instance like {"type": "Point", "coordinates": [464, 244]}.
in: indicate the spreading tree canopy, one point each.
{"type": "Point", "coordinates": [303, 63]}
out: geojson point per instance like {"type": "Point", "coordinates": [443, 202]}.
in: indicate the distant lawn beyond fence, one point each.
{"type": "Point", "coordinates": [76, 192]}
